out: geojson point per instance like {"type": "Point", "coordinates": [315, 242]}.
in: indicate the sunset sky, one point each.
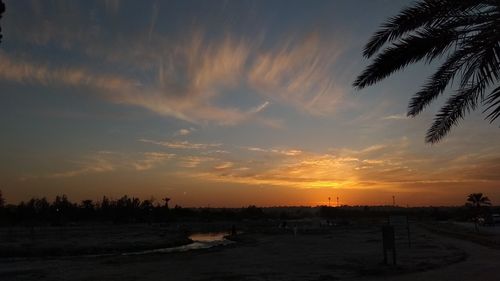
{"type": "Point", "coordinates": [222, 103]}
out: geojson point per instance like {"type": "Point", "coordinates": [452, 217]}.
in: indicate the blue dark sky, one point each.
{"type": "Point", "coordinates": [226, 103]}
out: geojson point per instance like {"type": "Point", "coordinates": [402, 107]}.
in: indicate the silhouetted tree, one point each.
{"type": "Point", "coordinates": [147, 211]}
{"type": "Point", "coordinates": [477, 201]}
{"type": "Point", "coordinates": [87, 209]}
{"type": "Point", "coordinates": [105, 208]}
{"type": "Point", "coordinates": [41, 206]}
{"type": "Point", "coordinates": [125, 209]}
{"type": "Point", "coordinates": [464, 32]}
{"type": "Point", "coordinates": [166, 199]}
{"type": "Point", "coordinates": [253, 212]}
{"type": "Point", "coordinates": [2, 200]}
{"type": "Point", "coordinates": [63, 209]}
{"type": "Point", "coordinates": [88, 204]}
{"type": "Point", "coordinates": [61, 203]}
{"type": "Point", "coordinates": [146, 204]}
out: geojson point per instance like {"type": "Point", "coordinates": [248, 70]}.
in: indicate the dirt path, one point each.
{"type": "Point", "coordinates": [482, 263]}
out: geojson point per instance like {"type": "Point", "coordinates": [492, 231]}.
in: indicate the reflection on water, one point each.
{"type": "Point", "coordinates": [200, 241]}
{"type": "Point", "coordinates": [208, 237]}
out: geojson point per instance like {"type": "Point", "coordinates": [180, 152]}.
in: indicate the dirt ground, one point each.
{"type": "Point", "coordinates": [89, 239]}
{"type": "Point", "coordinates": [351, 252]}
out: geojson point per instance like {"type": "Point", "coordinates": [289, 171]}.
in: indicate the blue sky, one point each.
{"type": "Point", "coordinates": [226, 103]}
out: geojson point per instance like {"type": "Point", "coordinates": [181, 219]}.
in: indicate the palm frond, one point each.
{"type": "Point", "coordinates": [484, 62]}
{"type": "Point", "coordinates": [485, 200]}
{"type": "Point", "coordinates": [428, 43]}
{"type": "Point", "coordinates": [2, 10]}
{"type": "Point", "coordinates": [479, 61]}
{"type": "Point", "coordinates": [493, 102]}
{"type": "Point", "coordinates": [438, 82]}
{"type": "Point", "coordinates": [466, 32]}
{"type": "Point", "coordinates": [455, 109]}
{"type": "Point", "coordinates": [422, 14]}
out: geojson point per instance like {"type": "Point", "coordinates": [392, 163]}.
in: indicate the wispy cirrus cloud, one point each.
{"type": "Point", "coordinates": [26, 71]}
{"type": "Point", "coordinates": [184, 132]}
{"type": "Point", "coordinates": [99, 162]}
{"type": "Point", "coordinates": [193, 161]}
{"type": "Point", "coordinates": [287, 152]}
{"type": "Point", "coordinates": [187, 99]}
{"type": "Point", "coordinates": [107, 161]}
{"type": "Point", "coordinates": [395, 117]}
{"type": "Point", "coordinates": [181, 76]}
{"type": "Point", "coordinates": [299, 73]}
{"type": "Point", "coordinates": [224, 165]}
{"type": "Point", "coordinates": [151, 159]}
{"type": "Point", "coordinates": [182, 144]}
{"type": "Point", "coordinates": [259, 108]}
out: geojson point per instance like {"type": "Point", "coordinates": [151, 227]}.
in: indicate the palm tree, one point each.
{"type": "Point", "coordinates": [464, 35]}
{"type": "Point", "coordinates": [476, 201]}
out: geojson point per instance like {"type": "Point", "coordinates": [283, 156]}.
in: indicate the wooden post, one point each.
{"type": "Point", "coordinates": [408, 229]}
{"type": "Point", "coordinates": [389, 243]}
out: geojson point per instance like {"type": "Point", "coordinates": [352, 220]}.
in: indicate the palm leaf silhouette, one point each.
{"type": "Point", "coordinates": [2, 10]}
{"type": "Point", "coordinates": [465, 34]}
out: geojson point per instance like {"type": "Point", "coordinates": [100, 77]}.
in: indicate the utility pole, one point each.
{"type": "Point", "coordinates": [329, 201]}
{"type": "Point", "coordinates": [338, 202]}
{"type": "Point", "coordinates": [393, 201]}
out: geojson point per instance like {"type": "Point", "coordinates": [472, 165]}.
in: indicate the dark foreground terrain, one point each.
{"type": "Point", "coordinates": [263, 252]}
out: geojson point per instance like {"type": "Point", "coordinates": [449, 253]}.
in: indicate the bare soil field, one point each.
{"type": "Point", "coordinates": [86, 240]}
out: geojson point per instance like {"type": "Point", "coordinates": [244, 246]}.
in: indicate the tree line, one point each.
{"type": "Point", "coordinates": [62, 211]}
